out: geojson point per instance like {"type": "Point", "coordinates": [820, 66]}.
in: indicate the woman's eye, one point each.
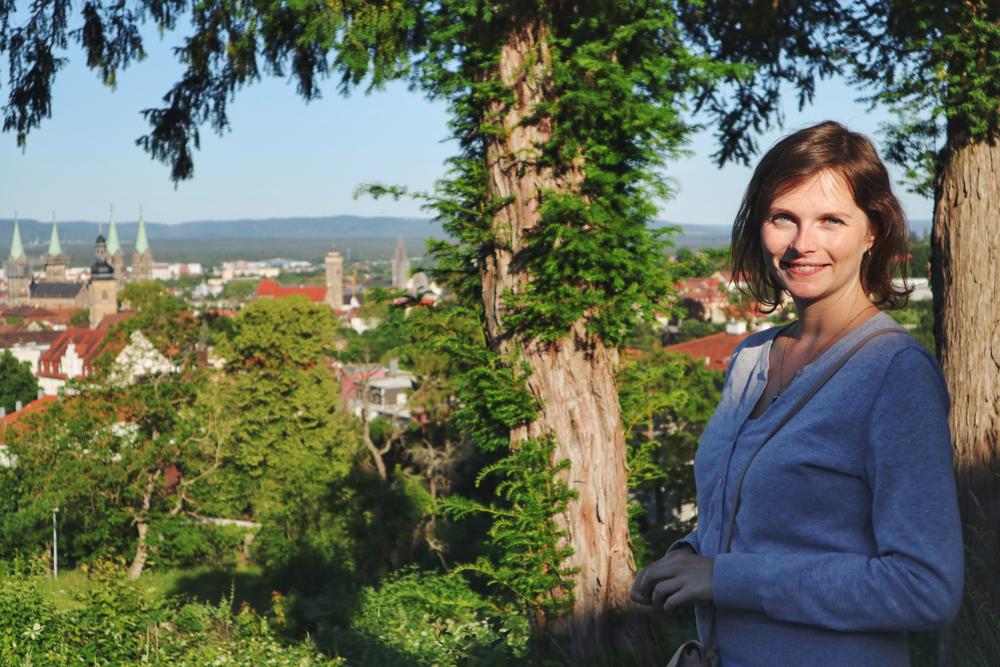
{"type": "Point", "coordinates": [834, 221]}
{"type": "Point", "coordinates": [780, 217]}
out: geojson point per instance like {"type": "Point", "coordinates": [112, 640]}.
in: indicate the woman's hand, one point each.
{"type": "Point", "coordinates": [676, 579]}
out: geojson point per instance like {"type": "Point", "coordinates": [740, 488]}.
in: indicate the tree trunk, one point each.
{"type": "Point", "coordinates": [366, 437]}
{"type": "Point", "coordinates": [574, 378]}
{"type": "Point", "coordinates": [142, 527]}
{"type": "Point", "coordinates": [141, 551]}
{"type": "Point", "coordinates": [965, 257]}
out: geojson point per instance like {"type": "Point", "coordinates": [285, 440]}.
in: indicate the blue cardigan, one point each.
{"type": "Point", "coordinates": [848, 533]}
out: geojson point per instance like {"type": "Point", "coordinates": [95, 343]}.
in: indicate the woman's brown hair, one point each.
{"type": "Point", "coordinates": [795, 158]}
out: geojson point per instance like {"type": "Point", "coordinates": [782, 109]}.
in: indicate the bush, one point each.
{"type": "Point", "coordinates": [179, 542]}
{"type": "Point", "coordinates": [110, 621]}
{"type": "Point", "coordinates": [424, 618]}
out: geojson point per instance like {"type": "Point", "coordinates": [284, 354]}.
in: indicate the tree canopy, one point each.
{"type": "Point", "coordinates": [17, 382]}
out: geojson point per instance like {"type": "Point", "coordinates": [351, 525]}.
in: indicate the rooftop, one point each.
{"type": "Point", "coordinates": [89, 344]}
{"type": "Point", "coordinates": [714, 349]}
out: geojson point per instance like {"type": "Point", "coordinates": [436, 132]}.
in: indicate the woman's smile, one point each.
{"type": "Point", "coordinates": [802, 269]}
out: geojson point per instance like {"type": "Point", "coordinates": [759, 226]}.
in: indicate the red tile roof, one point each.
{"type": "Point", "coordinates": [89, 345]}
{"type": "Point", "coordinates": [25, 311]}
{"type": "Point", "coordinates": [53, 316]}
{"type": "Point", "coordinates": [35, 407]}
{"type": "Point", "coordinates": [111, 320]}
{"type": "Point", "coordinates": [12, 338]}
{"type": "Point", "coordinates": [270, 288]}
{"type": "Point", "coordinates": [715, 348]}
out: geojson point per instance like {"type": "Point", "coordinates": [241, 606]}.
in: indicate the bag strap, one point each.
{"type": "Point", "coordinates": [791, 413]}
{"type": "Point", "coordinates": [784, 420]}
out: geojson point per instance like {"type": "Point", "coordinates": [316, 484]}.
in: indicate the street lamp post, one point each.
{"type": "Point", "coordinates": [55, 545]}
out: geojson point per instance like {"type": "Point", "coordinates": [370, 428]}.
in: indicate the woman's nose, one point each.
{"type": "Point", "coordinates": [805, 238]}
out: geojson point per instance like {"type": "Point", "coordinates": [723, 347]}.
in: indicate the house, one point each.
{"type": "Point", "coordinates": [75, 353]}
{"type": "Point", "coordinates": [139, 358]}
{"type": "Point", "coordinates": [381, 391]}
{"type": "Point", "coordinates": [72, 355]}
{"type": "Point", "coordinates": [704, 299]}
{"type": "Point", "coordinates": [34, 318]}
{"type": "Point", "coordinates": [715, 349]}
{"type": "Point", "coordinates": [28, 346]}
{"type": "Point", "coordinates": [41, 404]}
{"type": "Point", "coordinates": [8, 421]}
{"type": "Point", "coordinates": [112, 319]}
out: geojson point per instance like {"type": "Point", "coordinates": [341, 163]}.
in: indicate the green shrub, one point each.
{"type": "Point", "coordinates": [179, 542]}
{"type": "Point", "coordinates": [424, 618]}
{"type": "Point", "coordinates": [111, 621]}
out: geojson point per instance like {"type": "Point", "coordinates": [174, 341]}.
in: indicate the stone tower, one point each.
{"type": "Point", "coordinates": [54, 260]}
{"type": "Point", "coordinates": [334, 263]}
{"type": "Point", "coordinates": [18, 271]}
{"type": "Point", "coordinates": [400, 266]}
{"type": "Point", "coordinates": [115, 254]}
{"type": "Point", "coordinates": [142, 258]}
{"type": "Point", "coordinates": [103, 289]}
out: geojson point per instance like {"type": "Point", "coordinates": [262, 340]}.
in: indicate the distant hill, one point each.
{"type": "Point", "coordinates": [296, 238]}
{"type": "Point", "coordinates": [333, 227]}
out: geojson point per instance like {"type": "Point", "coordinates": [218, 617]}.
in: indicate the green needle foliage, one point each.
{"type": "Point", "coordinates": [525, 551]}
{"type": "Point", "coordinates": [937, 65]}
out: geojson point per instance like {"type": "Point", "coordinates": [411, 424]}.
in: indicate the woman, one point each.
{"type": "Point", "coordinates": [847, 534]}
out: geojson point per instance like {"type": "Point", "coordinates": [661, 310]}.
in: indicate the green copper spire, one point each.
{"type": "Point", "coordinates": [55, 248]}
{"type": "Point", "coordinates": [141, 242]}
{"type": "Point", "coordinates": [113, 244]}
{"type": "Point", "coordinates": [16, 249]}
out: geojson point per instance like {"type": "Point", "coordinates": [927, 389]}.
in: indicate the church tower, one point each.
{"type": "Point", "coordinates": [142, 258]}
{"type": "Point", "coordinates": [103, 289]}
{"type": "Point", "coordinates": [115, 254]}
{"type": "Point", "coordinates": [54, 260]}
{"type": "Point", "coordinates": [18, 271]}
{"type": "Point", "coordinates": [400, 266]}
{"type": "Point", "coordinates": [334, 263]}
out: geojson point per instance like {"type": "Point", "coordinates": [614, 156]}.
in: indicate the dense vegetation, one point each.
{"type": "Point", "coordinates": [454, 543]}
{"type": "Point", "coordinates": [564, 114]}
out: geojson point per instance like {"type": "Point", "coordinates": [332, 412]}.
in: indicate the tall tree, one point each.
{"type": "Point", "coordinates": [937, 64]}
{"type": "Point", "coordinates": [17, 382]}
{"type": "Point", "coordinates": [564, 111]}
{"type": "Point", "coordinates": [289, 447]}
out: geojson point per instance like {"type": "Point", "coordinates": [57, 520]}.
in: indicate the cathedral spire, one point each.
{"type": "Point", "coordinates": [55, 248]}
{"type": "Point", "coordinates": [113, 244]}
{"type": "Point", "coordinates": [16, 249]}
{"type": "Point", "coordinates": [141, 241]}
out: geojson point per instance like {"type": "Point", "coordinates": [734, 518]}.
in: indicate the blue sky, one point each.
{"type": "Point", "coordinates": [283, 157]}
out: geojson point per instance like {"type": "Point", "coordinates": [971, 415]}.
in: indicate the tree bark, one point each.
{"type": "Point", "coordinates": [573, 378]}
{"type": "Point", "coordinates": [142, 527]}
{"type": "Point", "coordinates": [965, 256]}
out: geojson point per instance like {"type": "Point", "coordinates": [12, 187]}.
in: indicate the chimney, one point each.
{"type": "Point", "coordinates": [393, 366]}
{"type": "Point", "coordinates": [3, 412]}
{"type": "Point", "coordinates": [17, 406]}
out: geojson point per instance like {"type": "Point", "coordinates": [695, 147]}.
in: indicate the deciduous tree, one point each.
{"type": "Point", "coordinates": [17, 382]}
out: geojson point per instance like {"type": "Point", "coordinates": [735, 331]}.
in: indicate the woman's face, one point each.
{"type": "Point", "coordinates": [814, 237]}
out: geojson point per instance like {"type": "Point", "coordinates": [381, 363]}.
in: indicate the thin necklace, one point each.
{"type": "Point", "coordinates": [781, 365]}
